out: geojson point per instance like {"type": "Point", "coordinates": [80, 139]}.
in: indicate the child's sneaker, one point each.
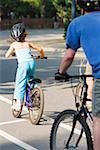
{"type": "Point", "coordinates": [17, 105]}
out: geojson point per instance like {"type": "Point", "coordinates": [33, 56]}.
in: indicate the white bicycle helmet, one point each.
{"type": "Point", "coordinates": [17, 31]}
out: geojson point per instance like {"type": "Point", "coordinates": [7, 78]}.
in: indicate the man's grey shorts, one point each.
{"type": "Point", "coordinates": [96, 98]}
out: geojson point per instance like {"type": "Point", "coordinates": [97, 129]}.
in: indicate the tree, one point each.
{"type": "Point", "coordinates": [7, 6]}
{"type": "Point", "coordinates": [35, 7]}
{"type": "Point", "coordinates": [49, 9]}
{"type": "Point", "coordinates": [63, 9]}
{"type": "Point", "coordinates": [20, 8]}
{"type": "Point", "coordinates": [24, 8]}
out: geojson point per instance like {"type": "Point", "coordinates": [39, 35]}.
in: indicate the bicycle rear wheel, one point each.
{"type": "Point", "coordinates": [37, 99]}
{"type": "Point", "coordinates": [61, 138]}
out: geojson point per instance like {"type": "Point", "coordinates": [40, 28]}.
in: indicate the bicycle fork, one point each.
{"type": "Point", "coordinates": [67, 145]}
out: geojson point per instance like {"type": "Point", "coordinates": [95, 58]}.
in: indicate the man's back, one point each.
{"type": "Point", "coordinates": [85, 31]}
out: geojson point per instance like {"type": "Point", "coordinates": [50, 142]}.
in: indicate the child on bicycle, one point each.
{"type": "Point", "coordinates": [26, 63]}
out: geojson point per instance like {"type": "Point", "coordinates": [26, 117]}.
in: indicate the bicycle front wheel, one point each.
{"type": "Point", "coordinates": [68, 134]}
{"type": "Point", "coordinates": [37, 99]}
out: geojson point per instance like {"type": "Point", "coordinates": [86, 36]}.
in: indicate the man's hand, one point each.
{"type": "Point", "coordinates": [62, 76]}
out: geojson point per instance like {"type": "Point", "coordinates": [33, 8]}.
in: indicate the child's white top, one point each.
{"type": "Point", "coordinates": [23, 55]}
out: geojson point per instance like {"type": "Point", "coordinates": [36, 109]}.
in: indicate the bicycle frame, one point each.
{"type": "Point", "coordinates": [28, 100]}
{"type": "Point", "coordinates": [30, 85]}
{"type": "Point", "coordinates": [84, 110]}
{"type": "Point", "coordinates": [81, 112]}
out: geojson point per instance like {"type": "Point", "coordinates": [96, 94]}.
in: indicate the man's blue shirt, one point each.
{"type": "Point", "coordinates": [84, 31]}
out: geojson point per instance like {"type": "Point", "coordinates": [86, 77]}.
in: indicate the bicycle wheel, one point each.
{"type": "Point", "coordinates": [61, 138]}
{"type": "Point", "coordinates": [37, 98]}
{"type": "Point", "coordinates": [15, 113]}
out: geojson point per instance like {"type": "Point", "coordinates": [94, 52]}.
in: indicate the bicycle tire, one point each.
{"type": "Point", "coordinates": [37, 98]}
{"type": "Point", "coordinates": [15, 113]}
{"type": "Point", "coordinates": [56, 135]}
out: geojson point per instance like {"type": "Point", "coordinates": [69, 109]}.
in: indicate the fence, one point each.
{"type": "Point", "coordinates": [30, 23]}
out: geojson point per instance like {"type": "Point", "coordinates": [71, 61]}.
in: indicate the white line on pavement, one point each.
{"type": "Point", "coordinates": [77, 131]}
{"type": "Point", "coordinates": [16, 141]}
{"type": "Point", "coordinates": [6, 100]}
{"type": "Point", "coordinates": [11, 122]}
{"type": "Point", "coordinates": [62, 125]}
{"type": "Point", "coordinates": [11, 138]}
{"type": "Point", "coordinates": [69, 128]}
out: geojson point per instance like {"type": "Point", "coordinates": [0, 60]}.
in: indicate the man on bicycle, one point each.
{"type": "Point", "coordinates": [84, 31]}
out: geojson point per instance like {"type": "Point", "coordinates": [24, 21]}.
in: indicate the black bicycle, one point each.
{"type": "Point", "coordinates": [72, 128]}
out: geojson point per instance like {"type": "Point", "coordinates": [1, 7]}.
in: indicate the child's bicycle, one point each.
{"type": "Point", "coordinates": [72, 128]}
{"type": "Point", "coordinates": [34, 100]}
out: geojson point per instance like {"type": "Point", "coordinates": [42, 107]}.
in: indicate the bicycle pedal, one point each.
{"type": "Point", "coordinates": [88, 99]}
{"type": "Point", "coordinates": [38, 80]}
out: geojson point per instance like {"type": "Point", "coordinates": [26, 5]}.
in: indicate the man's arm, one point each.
{"type": "Point", "coordinates": [67, 60]}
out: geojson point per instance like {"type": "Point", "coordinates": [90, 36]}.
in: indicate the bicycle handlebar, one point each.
{"type": "Point", "coordinates": [65, 77]}
{"type": "Point", "coordinates": [38, 57]}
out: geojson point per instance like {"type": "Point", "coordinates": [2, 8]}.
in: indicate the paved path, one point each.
{"type": "Point", "coordinates": [18, 134]}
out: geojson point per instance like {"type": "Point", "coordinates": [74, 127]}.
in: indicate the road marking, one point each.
{"type": "Point", "coordinates": [6, 100]}
{"type": "Point", "coordinates": [25, 109]}
{"type": "Point", "coordinates": [16, 141]}
{"type": "Point", "coordinates": [8, 136]}
{"type": "Point", "coordinates": [77, 131]}
{"type": "Point", "coordinates": [69, 128]}
{"type": "Point", "coordinates": [11, 122]}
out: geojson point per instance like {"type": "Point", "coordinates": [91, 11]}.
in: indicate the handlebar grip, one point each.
{"type": "Point", "coordinates": [61, 76]}
{"type": "Point", "coordinates": [38, 57]}
{"type": "Point", "coordinates": [44, 57]}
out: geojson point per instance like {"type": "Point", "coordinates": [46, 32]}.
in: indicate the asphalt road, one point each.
{"type": "Point", "coordinates": [18, 134]}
